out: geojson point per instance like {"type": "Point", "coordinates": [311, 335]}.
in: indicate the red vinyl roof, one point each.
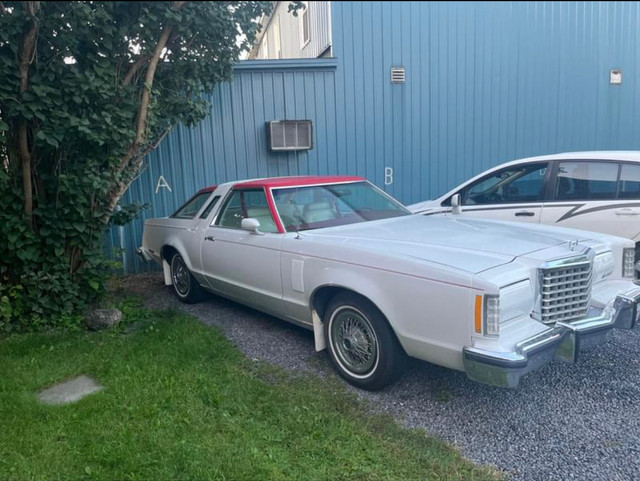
{"type": "Point", "coordinates": [211, 188]}
{"type": "Point", "coordinates": [298, 181]}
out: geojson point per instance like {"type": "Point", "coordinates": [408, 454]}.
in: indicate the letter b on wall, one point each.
{"type": "Point", "coordinates": [388, 175]}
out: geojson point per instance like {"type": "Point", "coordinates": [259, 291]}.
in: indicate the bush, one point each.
{"type": "Point", "coordinates": [88, 90]}
{"type": "Point", "coordinates": [49, 274]}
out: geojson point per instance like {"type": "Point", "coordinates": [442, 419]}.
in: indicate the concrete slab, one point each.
{"type": "Point", "coordinates": [69, 391]}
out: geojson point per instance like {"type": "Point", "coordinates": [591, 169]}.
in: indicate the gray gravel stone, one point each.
{"type": "Point", "coordinates": [566, 421]}
{"type": "Point", "coordinates": [69, 391]}
{"type": "Point", "coordinates": [98, 319]}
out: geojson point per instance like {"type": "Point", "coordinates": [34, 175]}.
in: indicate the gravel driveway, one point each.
{"type": "Point", "coordinates": [564, 422]}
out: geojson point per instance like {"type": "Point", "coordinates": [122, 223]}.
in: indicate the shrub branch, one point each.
{"type": "Point", "coordinates": [134, 152]}
{"type": "Point", "coordinates": [27, 55]}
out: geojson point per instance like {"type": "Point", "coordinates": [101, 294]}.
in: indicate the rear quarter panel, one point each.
{"type": "Point", "coordinates": [181, 234]}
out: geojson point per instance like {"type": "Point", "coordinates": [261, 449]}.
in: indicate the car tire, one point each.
{"type": "Point", "coordinates": [362, 346]}
{"type": "Point", "coordinates": [185, 286]}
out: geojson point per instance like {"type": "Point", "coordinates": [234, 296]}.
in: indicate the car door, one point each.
{"type": "Point", "coordinates": [241, 264]}
{"type": "Point", "coordinates": [514, 193]}
{"type": "Point", "coordinates": [601, 196]}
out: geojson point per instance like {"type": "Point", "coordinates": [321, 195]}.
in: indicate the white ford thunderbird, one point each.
{"type": "Point", "coordinates": [376, 283]}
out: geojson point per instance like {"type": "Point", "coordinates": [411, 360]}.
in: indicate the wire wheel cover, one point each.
{"type": "Point", "coordinates": [181, 276]}
{"type": "Point", "coordinates": [354, 341]}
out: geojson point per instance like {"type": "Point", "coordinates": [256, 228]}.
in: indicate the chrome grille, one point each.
{"type": "Point", "coordinates": [565, 291]}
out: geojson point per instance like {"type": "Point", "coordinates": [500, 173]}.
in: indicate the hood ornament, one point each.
{"type": "Point", "coordinates": [573, 244]}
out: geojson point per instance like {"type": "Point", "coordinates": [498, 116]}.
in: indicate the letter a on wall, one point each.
{"type": "Point", "coordinates": [162, 183]}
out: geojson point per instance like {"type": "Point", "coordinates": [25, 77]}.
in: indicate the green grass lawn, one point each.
{"type": "Point", "coordinates": [180, 402]}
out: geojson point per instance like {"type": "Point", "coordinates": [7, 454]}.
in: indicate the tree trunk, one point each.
{"type": "Point", "coordinates": [135, 151]}
{"type": "Point", "coordinates": [27, 55]}
{"type": "Point", "coordinates": [141, 122]}
{"type": "Point", "coordinates": [25, 164]}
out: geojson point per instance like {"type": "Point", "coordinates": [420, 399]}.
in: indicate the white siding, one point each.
{"type": "Point", "coordinates": [290, 45]}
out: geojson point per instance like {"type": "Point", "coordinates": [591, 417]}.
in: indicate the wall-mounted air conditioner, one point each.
{"type": "Point", "coordinates": [290, 135]}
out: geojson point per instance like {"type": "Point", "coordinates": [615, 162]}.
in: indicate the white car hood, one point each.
{"type": "Point", "coordinates": [427, 206]}
{"type": "Point", "coordinates": [471, 245]}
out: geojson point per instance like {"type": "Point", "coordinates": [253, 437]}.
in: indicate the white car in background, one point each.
{"type": "Point", "coordinates": [375, 283]}
{"type": "Point", "coordinates": [594, 191]}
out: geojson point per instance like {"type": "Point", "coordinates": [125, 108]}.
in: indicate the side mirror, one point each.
{"type": "Point", "coordinates": [455, 204]}
{"type": "Point", "coordinates": [252, 225]}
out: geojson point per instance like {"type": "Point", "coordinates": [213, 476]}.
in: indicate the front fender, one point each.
{"type": "Point", "coordinates": [432, 319]}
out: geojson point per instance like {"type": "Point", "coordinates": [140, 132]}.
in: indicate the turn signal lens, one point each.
{"type": "Point", "coordinates": [628, 261]}
{"type": "Point", "coordinates": [491, 315]}
{"type": "Point", "coordinates": [479, 314]}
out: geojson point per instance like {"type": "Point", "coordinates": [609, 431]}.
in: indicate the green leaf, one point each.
{"type": "Point", "coordinates": [51, 141]}
{"type": "Point", "coordinates": [83, 122]}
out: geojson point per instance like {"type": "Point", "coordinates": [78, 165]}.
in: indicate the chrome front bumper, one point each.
{"type": "Point", "coordinates": [563, 342]}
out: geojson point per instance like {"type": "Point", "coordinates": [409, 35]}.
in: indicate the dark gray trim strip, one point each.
{"type": "Point", "coordinates": [573, 212]}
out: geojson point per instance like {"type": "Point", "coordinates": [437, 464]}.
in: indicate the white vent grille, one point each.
{"type": "Point", "coordinates": [290, 135]}
{"type": "Point", "coordinates": [397, 75]}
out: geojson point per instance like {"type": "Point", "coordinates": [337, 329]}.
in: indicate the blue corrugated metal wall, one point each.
{"type": "Point", "coordinates": [231, 143]}
{"type": "Point", "coordinates": [486, 82]}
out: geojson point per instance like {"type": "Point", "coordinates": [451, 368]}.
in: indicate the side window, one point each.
{"type": "Point", "coordinates": [303, 15]}
{"type": "Point", "coordinates": [244, 204]}
{"type": "Point", "coordinates": [586, 181]}
{"type": "Point", "coordinates": [209, 208]}
{"type": "Point", "coordinates": [191, 207]}
{"type": "Point", "coordinates": [629, 187]}
{"type": "Point", "coordinates": [522, 183]}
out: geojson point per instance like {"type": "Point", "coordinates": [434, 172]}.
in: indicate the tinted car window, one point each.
{"type": "Point", "coordinates": [247, 204]}
{"type": "Point", "coordinates": [586, 181]}
{"type": "Point", "coordinates": [522, 183]}
{"type": "Point", "coordinates": [209, 208]}
{"type": "Point", "coordinates": [629, 182]}
{"type": "Point", "coordinates": [192, 206]}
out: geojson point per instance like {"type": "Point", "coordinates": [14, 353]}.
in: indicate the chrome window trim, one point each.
{"type": "Point", "coordinates": [222, 204]}
{"type": "Point", "coordinates": [319, 184]}
{"type": "Point", "coordinates": [214, 201]}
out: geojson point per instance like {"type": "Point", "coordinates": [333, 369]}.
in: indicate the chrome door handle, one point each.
{"type": "Point", "coordinates": [210, 238]}
{"type": "Point", "coordinates": [627, 212]}
{"type": "Point", "coordinates": [525, 213]}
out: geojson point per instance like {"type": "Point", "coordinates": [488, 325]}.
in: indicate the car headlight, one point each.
{"type": "Point", "coordinates": [603, 266]}
{"type": "Point", "coordinates": [491, 315]}
{"type": "Point", "coordinates": [488, 315]}
{"type": "Point", "coordinates": [628, 261]}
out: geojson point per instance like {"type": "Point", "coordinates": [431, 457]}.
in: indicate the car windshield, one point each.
{"type": "Point", "coordinates": [315, 207]}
